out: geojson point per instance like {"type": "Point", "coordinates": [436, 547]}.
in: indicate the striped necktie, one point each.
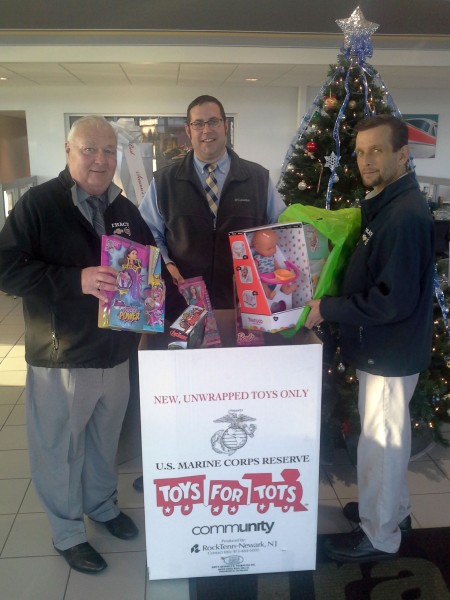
{"type": "Point", "coordinates": [97, 206]}
{"type": "Point", "coordinates": [211, 188]}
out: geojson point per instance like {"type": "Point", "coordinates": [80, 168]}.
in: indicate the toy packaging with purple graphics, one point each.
{"type": "Point", "coordinates": [138, 304]}
{"type": "Point", "coordinates": [276, 268]}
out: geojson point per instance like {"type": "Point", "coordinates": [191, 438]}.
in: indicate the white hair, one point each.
{"type": "Point", "coordinates": [95, 120]}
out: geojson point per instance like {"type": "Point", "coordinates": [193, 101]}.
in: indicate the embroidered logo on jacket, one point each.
{"type": "Point", "coordinates": [368, 233]}
{"type": "Point", "coordinates": [120, 228]}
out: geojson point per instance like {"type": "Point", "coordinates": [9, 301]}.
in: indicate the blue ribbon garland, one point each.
{"type": "Point", "coordinates": [337, 141]}
{"type": "Point", "coordinates": [360, 46]}
{"type": "Point", "coordinates": [303, 127]}
{"type": "Point", "coordinates": [355, 57]}
{"type": "Point", "coordinates": [441, 300]}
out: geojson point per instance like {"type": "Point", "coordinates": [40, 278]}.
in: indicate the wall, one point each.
{"type": "Point", "coordinates": [266, 119]}
{"type": "Point", "coordinates": [429, 102]}
{"type": "Point", "coordinates": [422, 102]}
{"type": "Point", "coordinates": [263, 126]}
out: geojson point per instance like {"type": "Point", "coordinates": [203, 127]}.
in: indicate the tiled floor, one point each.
{"type": "Point", "coordinates": [30, 569]}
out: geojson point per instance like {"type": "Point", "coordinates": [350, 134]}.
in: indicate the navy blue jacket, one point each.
{"type": "Point", "coordinates": [385, 307]}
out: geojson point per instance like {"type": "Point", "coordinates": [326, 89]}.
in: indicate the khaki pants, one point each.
{"type": "Point", "coordinates": [384, 451]}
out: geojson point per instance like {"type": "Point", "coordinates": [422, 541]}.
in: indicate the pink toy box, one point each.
{"type": "Point", "coordinates": [276, 268]}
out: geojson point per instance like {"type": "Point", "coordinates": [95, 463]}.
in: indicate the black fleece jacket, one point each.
{"type": "Point", "coordinates": [385, 307]}
{"type": "Point", "coordinates": [195, 245]}
{"type": "Point", "coordinates": [44, 245]}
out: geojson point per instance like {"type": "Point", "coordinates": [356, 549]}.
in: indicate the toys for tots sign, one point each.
{"type": "Point", "coordinates": [230, 457]}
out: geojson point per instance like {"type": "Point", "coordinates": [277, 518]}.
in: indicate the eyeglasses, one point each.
{"type": "Point", "coordinates": [213, 123]}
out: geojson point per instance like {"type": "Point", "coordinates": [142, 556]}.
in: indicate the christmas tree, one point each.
{"type": "Point", "coordinates": [320, 170]}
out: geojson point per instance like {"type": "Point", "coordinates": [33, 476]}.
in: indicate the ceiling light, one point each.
{"type": "Point", "coordinates": [3, 79]}
{"type": "Point", "coordinates": [251, 79]}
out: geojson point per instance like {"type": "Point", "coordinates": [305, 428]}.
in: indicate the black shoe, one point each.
{"type": "Point", "coordinates": [351, 511]}
{"type": "Point", "coordinates": [121, 527]}
{"type": "Point", "coordinates": [355, 547]}
{"type": "Point", "coordinates": [83, 558]}
{"type": "Point", "coordinates": [138, 484]}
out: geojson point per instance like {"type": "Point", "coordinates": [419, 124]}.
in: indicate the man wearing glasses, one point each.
{"type": "Point", "coordinates": [191, 206]}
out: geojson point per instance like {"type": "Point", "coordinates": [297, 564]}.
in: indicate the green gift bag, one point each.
{"type": "Point", "coordinates": [342, 228]}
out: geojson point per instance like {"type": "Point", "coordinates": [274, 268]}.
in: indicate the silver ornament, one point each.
{"type": "Point", "coordinates": [331, 161]}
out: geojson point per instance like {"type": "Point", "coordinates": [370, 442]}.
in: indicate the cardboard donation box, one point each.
{"type": "Point", "coordinates": [230, 450]}
{"type": "Point", "coordinates": [276, 269]}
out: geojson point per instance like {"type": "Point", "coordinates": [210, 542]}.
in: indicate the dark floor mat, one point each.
{"type": "Point", "coordinates": [422, 570]}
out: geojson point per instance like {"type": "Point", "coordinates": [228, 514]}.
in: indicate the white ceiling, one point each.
{"type": "Point", "coordinates": [19, 74]}
{"type": "Point", "coordinates": [214, 44]}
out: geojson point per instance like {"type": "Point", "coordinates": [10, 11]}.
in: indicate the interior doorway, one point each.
{"type": "Point", "coordinates": [14, 159]}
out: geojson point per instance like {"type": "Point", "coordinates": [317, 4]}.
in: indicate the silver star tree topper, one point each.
{"type": "Point", "coordinates": [356, 26]}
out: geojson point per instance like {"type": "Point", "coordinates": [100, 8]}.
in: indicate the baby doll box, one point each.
{"type": "Point", "coordinates": [275, 269]}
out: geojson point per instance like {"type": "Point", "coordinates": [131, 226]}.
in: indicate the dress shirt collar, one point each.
{"type": "Point", "coordinates": [223, 164]}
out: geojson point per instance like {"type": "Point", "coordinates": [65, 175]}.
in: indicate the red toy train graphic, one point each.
{"type": "Point", "coordinates": [255, 488]}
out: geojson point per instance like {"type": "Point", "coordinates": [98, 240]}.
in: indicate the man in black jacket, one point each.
{"type": "Point", "coordinates": [77, 376]}
{"type": "Point", "coordinates": [385, 317]}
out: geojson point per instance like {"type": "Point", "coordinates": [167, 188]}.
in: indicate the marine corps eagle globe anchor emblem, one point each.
{"type": "Point", "coordinates": [227, 441]}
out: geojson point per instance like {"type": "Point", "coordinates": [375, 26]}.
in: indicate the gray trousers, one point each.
{"type": "Point", "coordinates": [384, 450]}
{"type": "Point", "coordinates": [74, 419]}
